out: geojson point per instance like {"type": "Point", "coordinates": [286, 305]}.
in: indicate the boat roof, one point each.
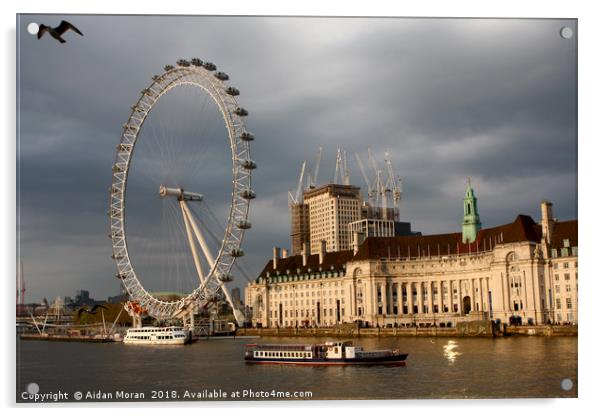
{"type": "Point", "coordinates": [328, 344]}
{"type": "Point", "coordinates": [273, 346]}
{"type": "Point", "coordinates": [158, 327]}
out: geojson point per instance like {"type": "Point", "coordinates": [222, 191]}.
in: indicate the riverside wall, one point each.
{"type": "Point", "coordinates": [463, 329]}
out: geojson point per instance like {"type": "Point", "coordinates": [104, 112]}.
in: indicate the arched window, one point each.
{"type": "Point", "coordinates": [260, 302]}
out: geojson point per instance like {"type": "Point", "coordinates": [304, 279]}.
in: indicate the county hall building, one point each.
{"type": "Point", "coordinates": [520, 272]}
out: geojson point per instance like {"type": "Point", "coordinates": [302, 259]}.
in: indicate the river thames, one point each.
{"type": "Point", "coordinates": [514, 367]}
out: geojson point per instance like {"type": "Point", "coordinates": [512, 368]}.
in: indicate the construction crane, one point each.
{"type": "Point", "coordinates": [373, 161]}
{"type": "Point", "coordinates": [379, 187]}
{"type": "Point", "coordinates": [386, 185]}
{"type": "Point", "coordinates": [297, 197]}
{"type": "Point", "coordinates": [337, 165]}
{"type": "Point", "coordinates": [313, 179]}
{"type": "Point", "coordinates": [341, 169]}
{"type": "Point", "coordinates": [346, 180]}
{"type": "Point", "coordinates": [393, 183]}
{"type": "Point", "coordinates": [369, 185]}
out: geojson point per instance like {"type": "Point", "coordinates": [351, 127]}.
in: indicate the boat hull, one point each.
{"type": "Point", "coordinates": [394, 360]}
{"type": "Point", "coordinates": [156, 342]}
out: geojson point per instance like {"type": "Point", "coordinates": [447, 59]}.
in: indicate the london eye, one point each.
{"type": "Point", "coordinates": [193, 241]}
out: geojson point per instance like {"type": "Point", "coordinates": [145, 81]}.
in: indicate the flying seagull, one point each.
{"type": "Point", "coordinates": [90, 311]}
{"type": "Point", "coordinates": [56, 32]}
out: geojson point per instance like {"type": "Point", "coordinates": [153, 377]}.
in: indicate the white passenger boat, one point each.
{"type": "Point", "coordinates": [328, 353]}
{"type": "Point", "coordinates": [151, 335]}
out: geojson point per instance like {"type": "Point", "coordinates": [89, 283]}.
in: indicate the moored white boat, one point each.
{"type": "Point", "coordinates": [151, 335]}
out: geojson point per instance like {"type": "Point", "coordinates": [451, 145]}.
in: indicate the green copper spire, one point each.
{"type": "Point", "coordinates": [471, 223]}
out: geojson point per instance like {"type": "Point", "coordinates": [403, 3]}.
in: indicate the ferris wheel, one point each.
{"type": "Point", "coordinates": [212, 265]}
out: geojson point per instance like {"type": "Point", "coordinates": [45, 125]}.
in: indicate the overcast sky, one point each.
{"type": "Point", "coordinates": [494, 100]}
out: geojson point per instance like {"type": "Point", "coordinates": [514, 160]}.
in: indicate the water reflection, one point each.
{"type": "Point", "coordinates": [450, 351]}
{"type": "Point", "coordinates": [488, 368]}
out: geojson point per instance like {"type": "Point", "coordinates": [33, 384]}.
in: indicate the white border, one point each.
{"type": "Point", "coordinates": [589, 155]}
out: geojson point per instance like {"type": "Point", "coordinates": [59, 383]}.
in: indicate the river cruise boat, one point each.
{"type": "Point", "coordinates": [329, 353]}
{"type": "Point", "coordinates": [151, 335]}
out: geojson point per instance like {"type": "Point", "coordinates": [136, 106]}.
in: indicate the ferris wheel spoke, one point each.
{"type": "Point", "coordinates": [197, 232]}
{"type": "Point", "coordinates": [191, 242]}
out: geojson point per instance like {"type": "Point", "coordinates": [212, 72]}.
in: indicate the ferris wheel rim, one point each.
{"type": "Point", "coordinates": [200, 76]}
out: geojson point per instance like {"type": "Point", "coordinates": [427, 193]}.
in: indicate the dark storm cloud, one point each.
{"type": "Point", "coordinates": [491, 99]}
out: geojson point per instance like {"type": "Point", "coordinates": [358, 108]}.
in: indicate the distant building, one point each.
{"type": "Point", "coordinates": [118, 298]}
{"type": "Point", "coordinates": [299, 227]}
{"type": "Point", "coordinates": [82, 297]}
{"type": "Point", "coordinates": [375, 227]}
{"type": "Point", "coordinates": [331, 208]}
{"type": "Point", "coordinates": [520, 272]}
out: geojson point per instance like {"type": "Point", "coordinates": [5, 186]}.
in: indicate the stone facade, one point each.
{"type": "Point", "coordinates": [518, 272]}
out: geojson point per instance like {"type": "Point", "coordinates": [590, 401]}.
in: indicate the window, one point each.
{"type": "Point", "coordinates": [567, 288]}
{"type": "Point", "coordinates": [567, 276]}
{"type": "Point", "coordinates": [558, 303]}
{"type": "Point", "coordinates": [557, 288]}
{"type": "Point", "coordinates": [555, 266]}
{"type": "Point", "coordinates": [557, 277]}
{"type": "Point", "coordinates": [565, 265]}
{"type": "Point", "coordinates": [569, 303]}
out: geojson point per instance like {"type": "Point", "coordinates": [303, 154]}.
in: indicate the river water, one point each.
{"type": "Point", "coordinates": [512, 367]}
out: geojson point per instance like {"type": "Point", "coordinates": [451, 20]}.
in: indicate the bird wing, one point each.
{"type": "Point", "coordinates": [42, 30]}
{"type": "Point", "coordinates": [98, 306]}
{"type": "Point", "coordinates": [80, 311]}
{"type": "Point", "coordinates": [65, 26]}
